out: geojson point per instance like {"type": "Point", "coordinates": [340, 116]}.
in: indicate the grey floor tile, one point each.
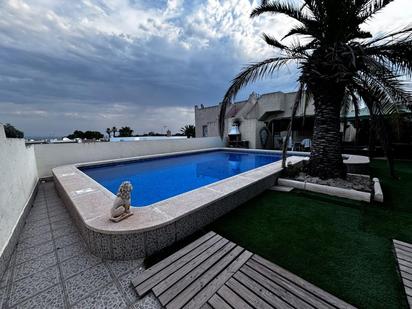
{"type": "Point", "coordinates": [33, 266]}
{"type": "Point", "coordinates": [148, 302]}
{"type": "Point", "coordinates": [119, 268]}
{"type": "Point", "coordinates": [60, 217]}
{"type": "Point", "coordinates": [52, 298]}
{"type": "Point", "coordinates": [87, 282]}
{"type": "Point", "coordinates": [31, 253]}
{"type": "Point", "coordinates": [66, 231]}
{"type": "Point", "coordinates": [108, 297]}
{"type": "Point", "coordinates": [61, 224]}
{"type": "Point", "coordinates": [70, 251]}
{"type": "Point", "coordinates": [67, 240]}
{"type": "Point", "coordinates": [126, 283]}
{"type": "Point", "coordinates": [78, 264]}
{"type": "Point", "coordinates": [54, 204]}
{"type": "Point", "coordinates": [33, 217]}
{"type": "Point", "coordinates": [37, 223]}
{"type": "Point", "coordinates": [24, 289]}
{"type": "Point", "coordinates": [29, 242]}
{"type": "Point", "coordinates": [2, 296]}
{"type": "Point", "coordinates": [34, 231]}
{"type": "Point", "coordinates": [57, 210]}
{"type": "Point", "coordinates": [5, 279]}
{"type": "Point", "coordinates": [39, 206]}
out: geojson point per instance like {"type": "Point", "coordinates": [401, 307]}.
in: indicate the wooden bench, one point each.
{"type": "Point", "coordinates": [403, 253]}
{"type": "Point", "coordinates": [213, 272]}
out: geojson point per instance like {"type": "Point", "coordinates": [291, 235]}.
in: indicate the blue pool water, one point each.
{"type": "Point", "coordinates": [158, 179]}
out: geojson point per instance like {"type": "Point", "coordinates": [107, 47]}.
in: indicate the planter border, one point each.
{"type": "Point", "coordinates": [351, 194]}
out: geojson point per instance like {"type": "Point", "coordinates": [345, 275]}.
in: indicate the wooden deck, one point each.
{"type": "Point", "coordinates": [213, 272]}
{"type": "Point", "coordinates": [403, 253]}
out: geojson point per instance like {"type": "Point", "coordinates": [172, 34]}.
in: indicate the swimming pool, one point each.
{"type": "Point", "coordinates": [158, 179]}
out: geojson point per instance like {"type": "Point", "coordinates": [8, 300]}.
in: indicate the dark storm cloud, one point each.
{"type": "Point", "coordinates": [92, 64]}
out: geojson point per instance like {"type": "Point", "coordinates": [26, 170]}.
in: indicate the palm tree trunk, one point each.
{"type": "Point", "coordinates": [326, 153]}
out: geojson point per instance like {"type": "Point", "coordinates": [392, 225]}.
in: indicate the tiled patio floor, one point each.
{"type": "Point", "coordinates": [51, 268]}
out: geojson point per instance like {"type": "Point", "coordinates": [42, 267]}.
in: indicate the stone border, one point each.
{"type": "Point", "coordinates": [161, 224]}
{"type": "Point", "coordinates": [324, 189]}
{"type": "Point", "coordinates": [376, 195]}
{"type": "Point", "coordinates": [377, 190]}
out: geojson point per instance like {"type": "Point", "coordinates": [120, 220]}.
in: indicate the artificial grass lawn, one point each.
{"type": "Point", "coordinates": [342, 246]}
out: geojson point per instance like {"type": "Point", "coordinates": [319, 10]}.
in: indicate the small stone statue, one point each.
{"type": "Point", "coordinates": [121, 204]}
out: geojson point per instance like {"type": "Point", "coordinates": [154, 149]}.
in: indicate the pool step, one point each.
{"type": "Point", "coordinates": [281, 188]}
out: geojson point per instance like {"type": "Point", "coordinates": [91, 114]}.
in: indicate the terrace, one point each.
{"type": "Point", "coordinates": [52, 257]}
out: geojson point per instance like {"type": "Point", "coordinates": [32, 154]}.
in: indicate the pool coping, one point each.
{"type": "Point", "coordinates": [93, 202]}
{"type": "Point", "coordinates": [160, 225]}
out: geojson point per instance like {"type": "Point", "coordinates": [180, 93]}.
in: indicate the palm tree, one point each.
{"type": "Point", "coordinates": [337, 61]}
{"type": "Point", "coordinates": [114, 130]}
{"type": "Point", "coordinates": [108, 131]}
{"type": "Point", "coordinates": [188, 130]}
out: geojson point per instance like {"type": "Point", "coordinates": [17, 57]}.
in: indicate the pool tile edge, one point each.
{"type": "Point", "coordinates": [173, 219]}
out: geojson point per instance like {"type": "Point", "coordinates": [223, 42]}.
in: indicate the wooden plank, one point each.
{"type": "Point", "coordinates": [406, 276]}
{"type": "Point", "coordinates": [247, 294]}
{"type": "Point", "coordinates": [407, 283]}
{"type": "Point", "coordinates": [303, 283]}
{"type": "Point", "coordinates": [289, 286]}
{"type": "Point", "coordinates": [403, 250]}
{"type": "Point", "coordinates": [170, 259]}
{"type": "Point", "coordinates": [172, 279]}
{"type": "Point", "coordinates": [232, 298]}
{"type": "Point", "coordinates": [405, 269]}
{"type": "Point", "coordinates": [200, 298]}
{"type": "Point", "coordinates": [263, 293]}
{"type": "Point", "coordinates": [179, 286]}
{"type": "Point", "coordinates": [207, 306]}
{"type": "Point", "coordinates": [409, 301]}
{"type": "Point", "coordinates": [301, 299]}
{"type": "Point", "coordinates": [146, 285]}
{"type": "Point", "coordinates": [402, 243]}
{"type": "Point", "coordinates": [405, 263]}
{"type": "Point", "coordinates": [216, 302]}
{"type": "Point", "coordinates": [408, 291]}
{"type": "Point", "coordinates": [407, 255]}
{"type": "Point", "coordinates": [400, 247]}
{"type": "Point", "coordinates": [184, 296]}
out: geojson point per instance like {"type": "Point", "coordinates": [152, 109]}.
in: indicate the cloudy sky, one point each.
{"type": "Point", "coordinates": [92, 64]}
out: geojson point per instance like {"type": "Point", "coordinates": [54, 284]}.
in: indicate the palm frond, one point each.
{"type": "Point", "coordinates": [391, 35]}
{"type": "Point", "coordinates": [280, 8]}
{"type": "Point", "coordinates": [273, 42]}
{"type": "Point", "coordinates": [395, 55]}
{"type": "Point", "coordinates": [372, 7]}
{"type": "Point", "coordinates": [301, 30]}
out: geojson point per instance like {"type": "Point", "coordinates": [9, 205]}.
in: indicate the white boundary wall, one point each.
{"type": "Point", "coordinates": [49, 156]}
{"type": "Point", "coordinates": [18, 179]}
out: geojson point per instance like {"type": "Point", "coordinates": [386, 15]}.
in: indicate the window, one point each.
{"type": "Point", "coordinates": [204, 131]}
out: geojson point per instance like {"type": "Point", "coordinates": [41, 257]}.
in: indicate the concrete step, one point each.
{"type": "Point", "coordinates": [281, 188]}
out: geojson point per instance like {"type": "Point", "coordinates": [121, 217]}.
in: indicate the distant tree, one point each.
{"type": "Point", "coordinates": [188, 130]}
{"type": "Point", "coordinates": [108, 131]}
{"type": "Point", "coordinates": [125, 132]}
{"type": "Point", "coordinates": [12, 132]}
{"type": "Point", "coordinates": [85, 135]}
{"type": "Point", "coordinates": [114, 130]}
{"type": "Point", "coordinates": [93, 135]}
{"type": "Point", "coordinates": [76, 134]}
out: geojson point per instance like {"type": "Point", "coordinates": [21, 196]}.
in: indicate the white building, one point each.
{"type": "Point", "coordinates": [271, 111]}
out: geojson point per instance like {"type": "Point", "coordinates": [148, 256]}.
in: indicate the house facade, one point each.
{"type": "Point", "coordinates": [271, 111]}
